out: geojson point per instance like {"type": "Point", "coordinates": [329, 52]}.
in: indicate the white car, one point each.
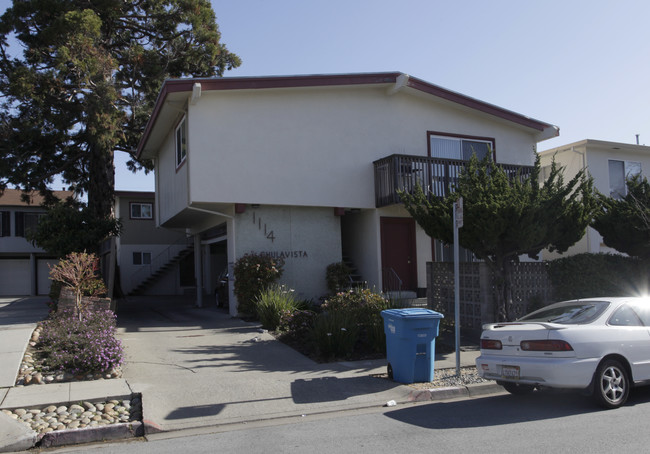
{"type": "Point", "coordinates": [600, 345]}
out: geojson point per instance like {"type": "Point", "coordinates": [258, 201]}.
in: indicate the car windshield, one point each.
{"type": "Point", "coordinates": [571, 313]}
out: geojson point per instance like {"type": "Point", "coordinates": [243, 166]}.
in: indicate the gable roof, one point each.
{"type": "Point", "coordinates": [397, 80]}
{"type": "Point", "coordinates": [13, 197]}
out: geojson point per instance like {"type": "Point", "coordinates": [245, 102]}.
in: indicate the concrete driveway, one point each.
{"type": "Point", "coordinates": [201, 367]}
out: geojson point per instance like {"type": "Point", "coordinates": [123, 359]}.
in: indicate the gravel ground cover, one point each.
{"type": "Point", "coordinates": [445, 378]}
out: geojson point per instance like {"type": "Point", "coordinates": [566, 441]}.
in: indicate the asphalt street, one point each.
{"type": "Point", "coordinates": [543, 422]}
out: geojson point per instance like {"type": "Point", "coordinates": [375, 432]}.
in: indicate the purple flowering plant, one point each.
{"type": "Point", "coordinates": [84, 344]}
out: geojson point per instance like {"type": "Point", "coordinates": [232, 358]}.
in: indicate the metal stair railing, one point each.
{"type": "Point", "coordinates": [159, 261]}
{"type": "Point", "coordinates": [391, 281]}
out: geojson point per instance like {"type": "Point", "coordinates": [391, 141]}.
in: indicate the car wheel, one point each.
{"type": "Point", "coordinates": [611, 384]}
{"type": "Point", "coordinates": [516, 388]}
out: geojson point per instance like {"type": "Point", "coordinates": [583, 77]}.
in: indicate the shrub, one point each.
{"type": "Point", "coordinates": [254, 273]}
{"type": "Point", "coordinates": [337, 276]}
{"type": "Point", "coordinates": [77, 271]}
{"type": "Point", "coordinates": [272, 302]}
{"type": "Point", "coordinates": [81, 344]}
{"type": "Point", "coordinates": [296, 325]}
{"type": "Point", "coordinates": [364, 306]}
{"type": "Point", "coordinates": [335, 335]}
{"type": "Point", "coordinates": [594, 275]}
{"type": "Point", "coordinates": [361, 303]}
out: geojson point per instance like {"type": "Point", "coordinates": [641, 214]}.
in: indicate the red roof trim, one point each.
{"type": "Point", "coordinates": [251, 83]}
{"type": "Point", "coordinates": [476, 104]}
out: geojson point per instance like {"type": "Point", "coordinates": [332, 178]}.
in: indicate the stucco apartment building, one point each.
{"type": "Point", "coordinates": [23, 266]}
{"type": "Point", "coordinates": [307, 168]}
{"type": "Point", "coordinates": [610, 164]}
{"type": "Point", "coordinates": [144, 250]}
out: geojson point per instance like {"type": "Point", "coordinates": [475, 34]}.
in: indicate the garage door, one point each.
{"type": "Point", "coordinates": [43, 273]}
{"type": "Point", "coordinates": [15, 278]}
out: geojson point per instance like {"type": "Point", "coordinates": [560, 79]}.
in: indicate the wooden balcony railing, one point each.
{"type": "Point", "coordinates": [436, 176]}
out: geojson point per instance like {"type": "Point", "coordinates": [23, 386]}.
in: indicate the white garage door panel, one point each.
{"type": "Point", "coordinates": [14, 277]}
{"type": "Point", "coordinates": [44, 276]}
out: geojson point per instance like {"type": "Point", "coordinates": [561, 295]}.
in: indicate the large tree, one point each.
{"type": "Point", "coordinates": [86, 81]}
{"type": "Point", "coordinates": [624, 223]}
{"type": "Point", "coordinates": [507, 216]}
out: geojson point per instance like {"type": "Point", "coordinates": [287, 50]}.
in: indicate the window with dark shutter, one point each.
{"type": "Point", "coordinates": [20, 223]}
{"type": "Point", "coordinates": [5, 224]}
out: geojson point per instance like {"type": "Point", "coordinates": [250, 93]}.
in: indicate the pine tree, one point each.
{"type": "Point", "coordinates": [86, 82]}
{"type": "Point", "coordinates": [507, 216]}
{"type": "Point", "coordinates": [625, 223]}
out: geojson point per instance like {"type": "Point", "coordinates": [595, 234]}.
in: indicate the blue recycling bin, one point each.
{"type": "Point", "coordinates": [411, 343]}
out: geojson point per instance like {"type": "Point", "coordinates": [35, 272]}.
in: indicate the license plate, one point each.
{"type": "Point", "coordinates": [511, 372]}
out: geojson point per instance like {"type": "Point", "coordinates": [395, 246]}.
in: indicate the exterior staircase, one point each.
{"type": "Point", "coordinates": [355, 279]}
{"type": "Point", "coordinates": [164, 262]}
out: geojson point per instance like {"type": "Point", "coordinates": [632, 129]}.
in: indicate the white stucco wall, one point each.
{"type": "Point", "coordinates": [131, 275]}
{"type": "Point", "coordinates": [15, 244]}
{"type": "Point", "coordinates": [308, 239]}
{"type": "Point", "coordinates": [171, 182]}
{"type": "Point", "coordinates": [315, 147]}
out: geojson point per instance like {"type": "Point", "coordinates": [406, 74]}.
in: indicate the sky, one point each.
{"type": "Point", "coordinates": [582, 65]}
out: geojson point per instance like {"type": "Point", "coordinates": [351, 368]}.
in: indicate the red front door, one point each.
{"type": "Point", "coordinates": [398, 250]}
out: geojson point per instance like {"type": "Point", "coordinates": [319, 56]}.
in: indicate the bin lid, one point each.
{"type": "Point", "coordinates": [411, 313]}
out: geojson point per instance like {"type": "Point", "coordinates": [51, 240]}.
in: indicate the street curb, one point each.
{"type": "Point", "coordinates": [19, 439]}
{"type": "Point", "coordinates": [435, 394]}
{"type": "Point", "coordinates": [94, 434]}
{"type": "Point", "coordinates": [119, 431]}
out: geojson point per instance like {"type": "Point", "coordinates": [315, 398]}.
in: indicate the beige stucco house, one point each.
{"type": "Point", "coordinates": [306, 168]}
{"type": "Point", "coordinates": [609, 163]}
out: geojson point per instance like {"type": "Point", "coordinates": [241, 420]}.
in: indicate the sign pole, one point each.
{"type": "Point", "coordinates": [458, 223]}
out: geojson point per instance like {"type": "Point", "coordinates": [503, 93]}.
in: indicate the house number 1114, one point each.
{"type": "Point", "coordinates": [258, 220]}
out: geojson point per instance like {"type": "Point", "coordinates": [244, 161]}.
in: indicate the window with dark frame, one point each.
{"type": "Point", "coordinates": [619, 173]}
{"type": "Point", "coordinates": [142, 258]}
{"type": "Point", "coordinates": [26, 221]}
{"type": "Point", "coordinates": [460, 148]}
{"type": "Point", "coordinates": [181, 142]}
{"type": "Point", "coordinates": [141, 210]}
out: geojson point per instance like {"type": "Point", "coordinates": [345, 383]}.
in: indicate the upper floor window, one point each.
{"type": "Point", "coordinates": [26, 221]}
{"type": "Point", "coordinates": [447, 146]}
{"type": "Point", "coordinates": [5, 224]}
{"type": "Point", "coordinates": [141, 210]}
{"type": "Point", "coordinates": [619, 173]}
{"type": "Point", "coordinates": [181, 142]}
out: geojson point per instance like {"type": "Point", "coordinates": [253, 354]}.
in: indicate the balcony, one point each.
{"type": "Point", "coordinates": [436, 176]}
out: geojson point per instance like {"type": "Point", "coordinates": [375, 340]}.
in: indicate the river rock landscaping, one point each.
{"type": "Point", "coordinates": [78, 416]}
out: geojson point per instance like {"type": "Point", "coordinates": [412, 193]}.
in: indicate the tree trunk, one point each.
{"type": "Point", "coordinates": [101, 185]}
{"type": "Point", "coordinates": [502, 271]}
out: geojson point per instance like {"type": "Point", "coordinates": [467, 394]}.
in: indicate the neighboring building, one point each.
{"type": "Point", "coordinates": [23, 267]}
{"type": "Point", "coordinates": [151, 260]}
{"type": "Point", "coordinates": [610, 164]}
{"type": "Point", "coordinates": [306, 168]}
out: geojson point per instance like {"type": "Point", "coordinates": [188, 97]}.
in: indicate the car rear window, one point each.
{"type": "Point", "coordinates": [572, 313]}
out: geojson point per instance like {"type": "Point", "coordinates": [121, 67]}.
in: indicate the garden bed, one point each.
{"type": "Point", "coordinates": [66, 347]}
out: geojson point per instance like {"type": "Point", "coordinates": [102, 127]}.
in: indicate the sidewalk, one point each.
{"type": "Point", "coordinates": [200, 367]}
